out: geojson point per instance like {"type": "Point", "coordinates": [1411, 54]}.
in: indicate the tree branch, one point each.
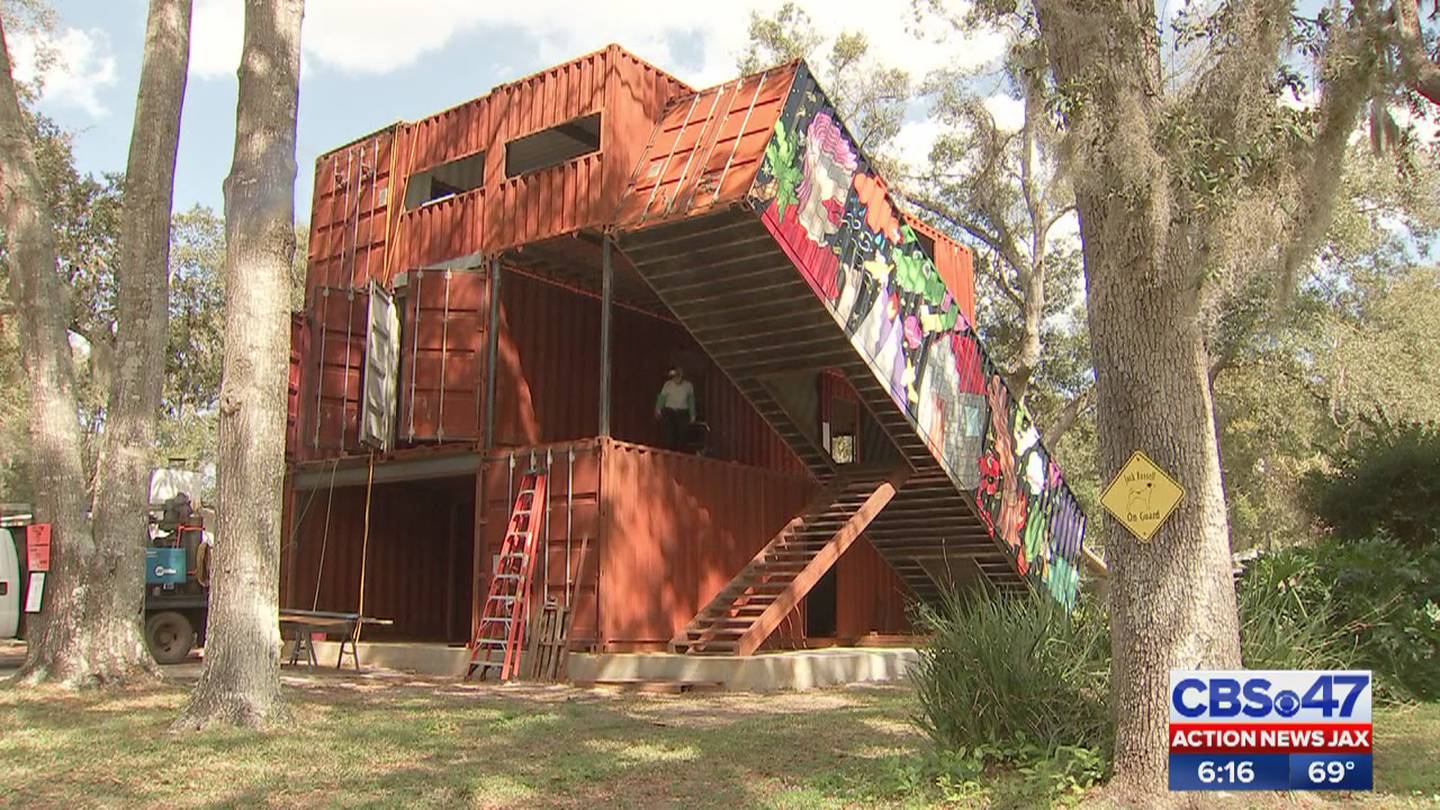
{"type": "Point", "coordinates": [1055, 217]}
{"type": "Point", "coordinates": [1421, 74]}
{"type": "Point", "coordinates": [1350, 63]}
{"type": "Point", "coordinates": [1066, 418]}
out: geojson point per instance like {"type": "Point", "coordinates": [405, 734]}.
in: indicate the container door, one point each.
{"type": "Point", "coordinates": [9, 585]}
{"type": "Point", "coordinates": [295, 397]}
{"type": "Point", "coordinates": [338, 342]}
{"type": "Point", "coordinates": [382, 357]}
{"type": "Point", "coordinates": [442, 363]}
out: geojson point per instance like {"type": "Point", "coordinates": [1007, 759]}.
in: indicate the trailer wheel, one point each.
{"type": "Point", "coordinates": [170, 637]}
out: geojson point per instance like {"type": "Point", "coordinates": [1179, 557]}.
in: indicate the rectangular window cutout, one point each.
{"type": "Point", "coordinates": [445, 180]}
{"type": "Point", "coordinates": [553, 146]}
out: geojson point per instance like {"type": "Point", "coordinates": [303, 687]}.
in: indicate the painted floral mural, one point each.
{"type": "Point", "coordinates": [834, 216]}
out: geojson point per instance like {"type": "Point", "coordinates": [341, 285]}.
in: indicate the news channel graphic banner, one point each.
{"type": "Point", "coordinates": [1270, 730]}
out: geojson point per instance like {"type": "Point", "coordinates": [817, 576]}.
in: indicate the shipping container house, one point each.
{"type": "Point", "coordinates": [502, 286]}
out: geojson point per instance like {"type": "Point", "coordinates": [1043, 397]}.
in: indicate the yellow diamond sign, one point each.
{"type": "Point", "coordinates": [1142, 496]}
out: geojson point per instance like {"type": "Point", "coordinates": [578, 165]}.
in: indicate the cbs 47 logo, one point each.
{"type": "Point", "coordinates": [1294, 695]}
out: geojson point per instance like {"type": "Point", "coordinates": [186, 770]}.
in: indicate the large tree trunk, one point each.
{"type": "Point", "coordinates": [1172, 600]}
{"type": "Point", "coordinates": [61, 643]}
{"type": "Point", "coordinates": [90, 630]}
{"type": "Point", "coordinates": [240, 684]}
{"type": "Point", "coordinates": [122, 489]}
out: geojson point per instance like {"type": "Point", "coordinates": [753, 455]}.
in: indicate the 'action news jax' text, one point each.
{"type": "Point", "coordinates": [1270, 730]}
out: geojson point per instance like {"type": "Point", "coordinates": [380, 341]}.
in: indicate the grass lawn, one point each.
{"type": "Point", "coordinates": [388, 740]}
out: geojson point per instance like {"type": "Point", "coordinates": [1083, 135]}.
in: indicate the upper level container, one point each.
{"type": "Point", "coordinates": [547, 155]}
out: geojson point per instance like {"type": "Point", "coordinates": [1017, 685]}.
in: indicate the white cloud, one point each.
{"type": "Point", "coordinates": [916, 138]}
{"type": "Point", "coordinates": [380, 36]}
{"type": "Point", "coordinates": [1066, 230]}
{"type": "Point", "coordinates": [73, 66]}
{"type": "Point", "coordinates": [216, 27]}
{"type": "Point", "coordinates": [1009, 113]}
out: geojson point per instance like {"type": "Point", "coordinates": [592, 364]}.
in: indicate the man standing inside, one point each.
{"type": "Point", "coordinates": [675, 408]}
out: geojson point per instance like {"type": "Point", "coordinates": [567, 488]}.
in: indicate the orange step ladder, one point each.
{"type": "Point", "coordinates": [507, 607]}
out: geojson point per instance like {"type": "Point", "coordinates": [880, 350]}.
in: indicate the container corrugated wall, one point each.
{"type": "Point", "coordinates": [437, 231]}
{"type": "Point", "coordinates": [295, 388]}
{"type": "Point", "coordinates": [677, 529]}
{"type": "Point", "coordinates": [442, 355]}
{"type": "Point", "coordinates": [706, 149]}
{"type": "Point", "coordinates": [418, 569]}
{"type": "Point", "coordinates": [506, 212]}
{"type": "Point", "coordinates": [870, 597]}
{"type": "Point", "coordinates": [349, 212]}
{"type": "Point", "coordinates": [338, 351]}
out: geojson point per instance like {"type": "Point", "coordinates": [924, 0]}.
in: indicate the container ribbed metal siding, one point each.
{"type": "Point", "coordinates": [636, 98]}
{"type": "Point", "coordinates": [677, 529]}
{"type": "Point", "coordinates": [437, 231]}
{"type": "Point", "coordinates": [420, 550]}
{"type": "Point", "coordinates": [506, 212]}
{"type": "Point", "coordinates": [869, 596]}
{"type": "Point", "coordinates": [338, 348]}
{"type": "Point", "coordinates": [349, 212]}
{"type": "Point", "coordinates": [706, 149]}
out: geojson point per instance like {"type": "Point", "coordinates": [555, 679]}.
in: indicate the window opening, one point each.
{"type": "Point", "coordinates": [445, 180]}
{"type": "Point", "coordinates": [553, 146]}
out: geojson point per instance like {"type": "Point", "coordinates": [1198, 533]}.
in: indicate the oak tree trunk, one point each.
{"type": "Point", "coordinates": [127, 449]}
{"type": "Point", "coordinates": [90, 631]}
{"type": "Point", "coordinates": [240, 684]}
{"type": "Point", "coordinates": [1172, 600]}
{"type": "Point", "coordinates": [60, 638]}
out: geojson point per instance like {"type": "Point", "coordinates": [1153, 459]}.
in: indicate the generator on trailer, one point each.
{"type": "Point", "coordinates": [177, 568]}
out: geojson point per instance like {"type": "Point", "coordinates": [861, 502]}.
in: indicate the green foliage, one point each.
{"type": "Point", "coordinates": [1369, 603]}
{"type": "Point", "coordinates": [197, 312]}
{"type": "Point", "coordinates": [786, 35]}
{"type": "Point", "coordinates": [1003, 679]}
{"type": "Point", "coordinates": [1387, 485]}
{"type": "Point", "coordinates": [1285, 621]}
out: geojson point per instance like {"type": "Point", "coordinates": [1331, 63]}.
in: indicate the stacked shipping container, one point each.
{"type": "Point", "coordinates": [444, 212]}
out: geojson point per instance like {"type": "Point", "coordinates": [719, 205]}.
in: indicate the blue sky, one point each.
{"type": "Point", "coordinates": [368, 63]}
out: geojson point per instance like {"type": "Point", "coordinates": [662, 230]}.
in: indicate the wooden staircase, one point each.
{"type": "Point", "coordinates": [777, 327]}
{"type": "Point", "coordinates": [744, 614]}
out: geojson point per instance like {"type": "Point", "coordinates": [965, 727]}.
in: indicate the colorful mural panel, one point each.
{"type": "Point", "coordinates": [823, 202]}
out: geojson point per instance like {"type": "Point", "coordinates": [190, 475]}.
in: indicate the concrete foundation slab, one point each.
{"type": "Point", "coordinates": [769, 672]}
{"type": "Point", "coordinates": [805, 669]}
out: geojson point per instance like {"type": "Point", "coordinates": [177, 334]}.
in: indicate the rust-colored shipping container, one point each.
{"type": "Point", "coordinates": [547, 368]}
{"type": "Point", "coordinates": [676, 530]}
